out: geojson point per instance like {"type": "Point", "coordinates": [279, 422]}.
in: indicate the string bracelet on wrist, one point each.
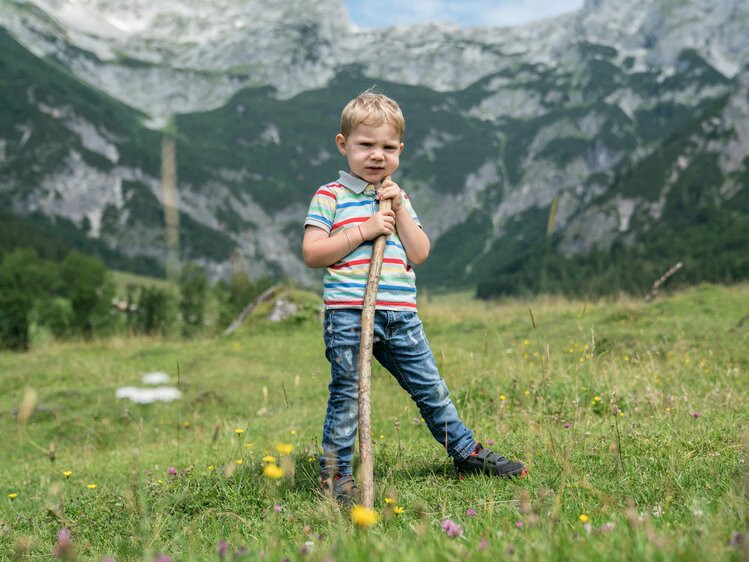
{"type": "Point", "coordinates": [360, 233]}
{"type": "Point", "coordinates": [350, 247]}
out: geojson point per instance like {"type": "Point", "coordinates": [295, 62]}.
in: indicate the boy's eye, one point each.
{"type": "Point", "coordinates": [367, 144]}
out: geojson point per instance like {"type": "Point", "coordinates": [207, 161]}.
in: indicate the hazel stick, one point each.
{"type": "Point", "coordinates": [366, 474]}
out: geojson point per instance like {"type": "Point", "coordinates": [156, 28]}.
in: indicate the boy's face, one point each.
{"type": "Point", "coordinates": [373, 151]}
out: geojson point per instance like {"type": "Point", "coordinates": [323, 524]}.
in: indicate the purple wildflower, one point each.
{"type": "Point", "coordinates": [452, 528]}
{"type": "Point", "coordinates": [484, 544]}
{"type": "Point", "coordinates": [471, 512]}
{"type": "Point", "coordinates": [163, 558]}
{"type": "Point", "coordinates": [696, 415]}
{"type": "Point", "coordinates": [277, 508]}
{"type": "Point", "coordinates": [223, 548]}
{"type": "Point", "coordinates": [490, 442]}
{"type": "Point", "coordinates": [171, 471]}
{"type": "Point", "coordinates": [64, 547]}
{"type": "Point", "coordinates": [567, 425]}
{"type": "Point", "coordinates": [519, 524]}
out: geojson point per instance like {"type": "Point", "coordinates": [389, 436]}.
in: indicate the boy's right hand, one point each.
{"type": "Point", "coordinates": [382, 222]}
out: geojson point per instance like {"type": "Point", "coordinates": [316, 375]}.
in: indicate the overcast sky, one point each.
{"type": "Point", "coordinates": [466, 13]}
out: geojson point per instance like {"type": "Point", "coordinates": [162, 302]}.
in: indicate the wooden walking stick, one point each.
{"type": "Point", "coordinates": [365, 367]}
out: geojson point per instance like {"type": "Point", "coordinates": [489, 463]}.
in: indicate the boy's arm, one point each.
{"type": "Point", "coordinates": [415, 241]}
{"type": "Point", "coordinates": [319, 249]}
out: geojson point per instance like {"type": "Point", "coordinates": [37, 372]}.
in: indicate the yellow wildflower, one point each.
{"type": "Point", "coordinates": [389, 501]}
{"type": "Point", "coordinates": [293, 432]}
{"type": "Point", "coordinates": [596, 398]}
{"type": "Point", "coordinates": [210, 467]}
{"type": "Point", "coordinates": [91, 486]}
{"type": "Point", "coordinates": [185, 424]}
{"type": "Point", "coordinates": [273, 471]}
{"type": "Point", "coordinates": [239, 461]}
{"type": "Point", "coordinates": [249, 445]}
{"type": "Point", "coordinates": [584, 518]}
{"type": "Point", "coordinates": [13, 496]}
{"type": "Point", "coordinates": [238, 430]}
{"type": "Point", "coordinates": [284, 448]}
{"type": "Point", "coordinates": [363, 516]}
{"type": "Point", "coordinates": [398, 510]}
{"type": "Point", "coordinates": [67, 473]}
{"type": "Point", "coordinates": [502, 397]}
{"type": "Point", "coordinates": [269, 458]}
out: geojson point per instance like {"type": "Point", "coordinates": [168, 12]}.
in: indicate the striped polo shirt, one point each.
{"type": "Point", "coordinates": [345, 203]}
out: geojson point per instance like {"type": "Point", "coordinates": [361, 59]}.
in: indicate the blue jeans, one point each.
{"type": "Point", "coordinates": [400, 346]}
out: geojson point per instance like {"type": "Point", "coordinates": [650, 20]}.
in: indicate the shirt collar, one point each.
{"type": "Point", "coordinates": [353, 183]}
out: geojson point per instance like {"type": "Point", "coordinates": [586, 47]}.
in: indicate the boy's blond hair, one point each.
{"type": "Point", "coordinates": [371, 108]}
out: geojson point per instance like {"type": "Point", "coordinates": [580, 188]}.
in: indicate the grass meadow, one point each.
{"type": "Point", "coordinates": [630, 416]}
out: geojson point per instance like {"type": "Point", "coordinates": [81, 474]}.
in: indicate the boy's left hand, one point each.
{"type": "Point", "coordinates": [390, 190]}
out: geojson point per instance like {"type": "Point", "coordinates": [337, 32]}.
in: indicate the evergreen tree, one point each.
{"type": "Point", "coordinates": [88, 285]}
{"type": "Point", "coordinates": [23, 279]}
{"type": "Point", "coordinates": [193, 286]}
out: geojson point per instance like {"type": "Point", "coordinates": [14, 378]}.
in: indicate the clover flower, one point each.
{"type": "Point", "coordinates": [452, 528]}
{"type": "Point", "coordinates": [64, 547]}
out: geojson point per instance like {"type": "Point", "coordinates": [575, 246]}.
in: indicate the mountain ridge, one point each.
{"type": "Point", "coordinates": [602, 132]}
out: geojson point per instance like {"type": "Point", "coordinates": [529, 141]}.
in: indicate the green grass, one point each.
{"type": "Point", "coordinates": [657, 483]}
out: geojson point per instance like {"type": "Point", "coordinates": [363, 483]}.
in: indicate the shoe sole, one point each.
{"type": "Point", "coordinates": [522, 474]}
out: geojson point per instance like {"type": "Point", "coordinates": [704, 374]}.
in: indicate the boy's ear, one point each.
{"type": "Point", "coordinates": [402, 146]}
{"type": "Point", "coordinates": [340, 142]}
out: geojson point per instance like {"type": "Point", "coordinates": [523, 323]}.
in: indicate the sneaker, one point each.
{"type": "Point", "coordinates": [489, 462]}
{"type": "Point", "coordinates": [343, 489]}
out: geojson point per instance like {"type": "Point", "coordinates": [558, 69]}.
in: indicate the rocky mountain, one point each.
{"type": "Point", "coordinates": [620, 122]}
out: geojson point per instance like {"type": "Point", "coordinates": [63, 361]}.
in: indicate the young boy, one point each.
{"type": "Point", "coordinates": [343, 220]}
